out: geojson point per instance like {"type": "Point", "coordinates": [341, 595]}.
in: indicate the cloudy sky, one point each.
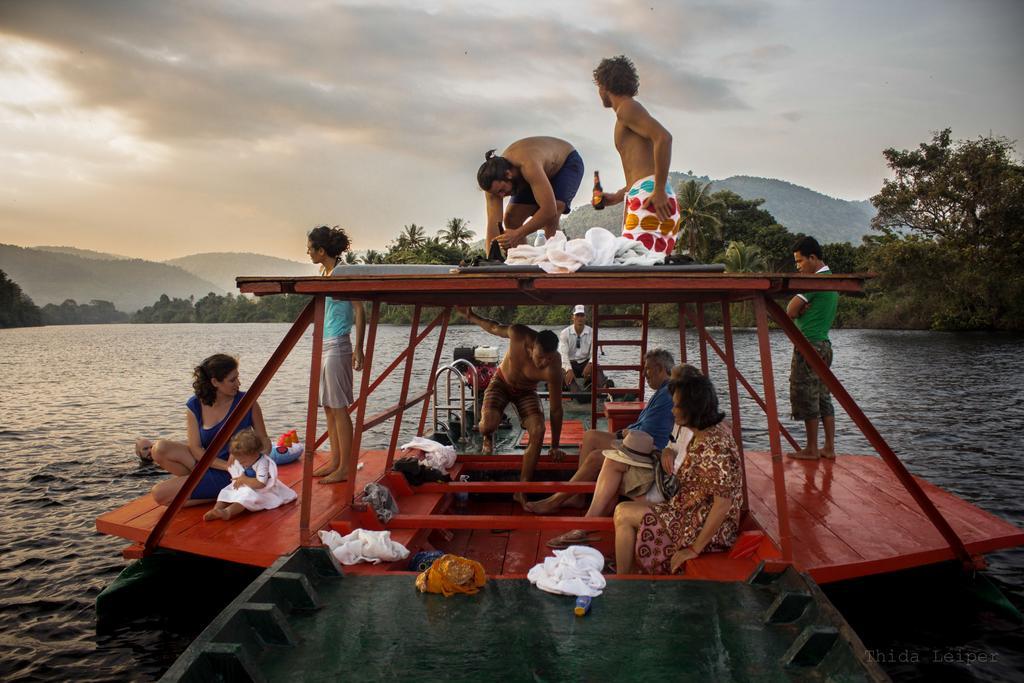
{"type": "Point", "coordinates": [160, 129]}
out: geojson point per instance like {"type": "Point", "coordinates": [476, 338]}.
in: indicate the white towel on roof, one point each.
{"type": "Point", "coordinates": [598, 247]}
{"type": "Point", "coordinates": [363, 545]}
{"type": "Point", "coordinates": [575, 570]}
{"type": "Point", "coordinates": [436, 455]}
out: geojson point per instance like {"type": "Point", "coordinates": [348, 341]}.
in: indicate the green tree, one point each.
{"type": "Point", "coordinates": [957, 207]}
{"type": "Point", "coordinates": [350, 258]}
{"type": "Point", "coordinates": [843, 257]}
{"type": "Point", "coordinates": [456, 233]}
{"type": "Point", "coordinates": [16, 308]}
{"type": "Point", "coordinates": [412, 237]}
{"type": "Point", "coordinates": [372, 256]}
{"type": "Point", "coordinates": [741, 218]}
{"type": "Point", "coordinates": [968, 195]}
{"type": "Point", "coordinates": [776, 243]}
{"type": "Point", "coordinates": [743, 258]}
{"type": "Point", "coordinates": [698, 217]}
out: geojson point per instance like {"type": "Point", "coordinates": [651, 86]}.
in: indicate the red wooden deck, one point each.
{"type": "Point", "coordinates": [572, 434]}
{"type": "Point", "coordinates": [851, 517]}
{"type": "Point", "coordinates": [252, 538]}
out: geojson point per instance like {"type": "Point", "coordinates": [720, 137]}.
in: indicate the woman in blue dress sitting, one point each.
{"type": "Point", "coordinates": [217, 392]}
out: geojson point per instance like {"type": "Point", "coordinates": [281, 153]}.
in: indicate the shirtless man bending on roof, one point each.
{"type": "Point", "coordinates": [645, 147]}
{"type": "Point", "coordinates": [532, 357]}
{"type": "Point", "coordinates": [542, 175]}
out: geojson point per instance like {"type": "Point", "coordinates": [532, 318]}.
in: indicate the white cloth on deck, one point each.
{"type": "Point", "coordinates": [598, 247]}
{"type": "Point", "coordinates": [436, 455]}
{"type": "Point", "coordinates": [273, 494]}
{"type": "Point", "coordinates": [576, 570]}
{"type": "Point", "coordinates": [363, 545]}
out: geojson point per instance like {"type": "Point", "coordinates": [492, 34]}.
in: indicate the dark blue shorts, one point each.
{"type": "Point", "coordinates": [211, 484]}
{"type": "Point", "coordinates": [565, 183]}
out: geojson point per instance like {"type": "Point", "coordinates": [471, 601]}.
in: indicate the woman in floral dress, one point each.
{"type": "Point", "coordinates": [705, 513]}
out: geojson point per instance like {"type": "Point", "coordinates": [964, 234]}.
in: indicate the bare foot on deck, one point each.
{"type": "Point", "coordinates": [213, 514]}
{"type": "Point", "coordinates": [544, 506]}
{"type": "Point", "coordinates": [521, 499]}
{"type": "Point", "coordinates": [804, 454]}
{"type": "Point", "coordinates": [487, 446]}
{"type": "Point", "coordinates": [324, 470]}
{"type": "Point", "coordinates": [828, 453]}
{"type": "Point", "coordinates": [337, 476]}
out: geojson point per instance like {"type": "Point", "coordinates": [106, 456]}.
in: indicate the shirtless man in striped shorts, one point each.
{"type": "Point", "coordinates": [531, 357]}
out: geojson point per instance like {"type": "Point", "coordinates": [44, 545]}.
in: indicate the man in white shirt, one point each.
{"type": "Point", "coordinates": [574, 345]}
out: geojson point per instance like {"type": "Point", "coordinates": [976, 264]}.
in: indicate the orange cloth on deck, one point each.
{"type": "Point", "coordinates": [451, 574]}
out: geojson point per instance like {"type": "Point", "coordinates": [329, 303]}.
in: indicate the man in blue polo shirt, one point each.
{"type": "Point", "coordinates": [655, 419]}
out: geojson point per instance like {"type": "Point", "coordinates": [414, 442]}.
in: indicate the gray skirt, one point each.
{"type": "Point", "coordinates": [336, 373]}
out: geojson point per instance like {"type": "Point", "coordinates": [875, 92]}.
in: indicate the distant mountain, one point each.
{"type": "Point", "coordinates": [84, 253]}
{"type": "Point", "coordinates": [803, 210]}
{"type": "Point", "coordinates": [49, 276]}
{"type": "Point", "coordinates": [221, 268]}
{"type": "Point", "coordinates": [798, 208]}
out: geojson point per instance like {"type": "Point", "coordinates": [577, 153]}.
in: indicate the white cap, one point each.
{"type": "Point", "coordinates": [580, 308]}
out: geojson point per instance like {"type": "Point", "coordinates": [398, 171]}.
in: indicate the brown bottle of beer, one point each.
{"type": "Point", "coordinates": [598, 199]}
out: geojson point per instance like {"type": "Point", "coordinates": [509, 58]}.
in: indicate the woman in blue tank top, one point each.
{"type": "Point", "coordinates": [325, 246]}
{"type": "Point", "coordinates": [216, 386]}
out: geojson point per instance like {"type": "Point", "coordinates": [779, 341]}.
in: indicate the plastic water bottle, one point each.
{"type": "Point", "coordinates": [462, 497]}
{"type": "Point", "coordinates": [582, 605]}
{"type": "Point", "coordinates": [540, 239]}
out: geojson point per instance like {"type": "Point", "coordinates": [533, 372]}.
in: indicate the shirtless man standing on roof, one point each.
{"type": "Point", "coordinates": [531, 357]}
{"type": "Point", "coordinates": [542, 175]}
{"type": "Point", "coordinates": [652, 213]}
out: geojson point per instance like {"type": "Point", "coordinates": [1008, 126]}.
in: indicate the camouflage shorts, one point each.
{"type": "Point", "coordinates": [808, 395]}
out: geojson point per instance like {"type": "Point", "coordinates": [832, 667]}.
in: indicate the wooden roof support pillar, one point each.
{"type": "Point", "coordinates": [682, 333]}
{"type": "Point", "coordinates": [364, 398]}
{"type": "Point", "coordinates": [312, 412]}
{"type": "Point", "coordinates": [414, 327]}
{"type": "Point", "coordinates": [771, 410]}
{"type": "Point", "coordinates": [734, 398]}
{"type": "Point", "coordinates": [702, 336]}
{"type": "Point", "coordinates": [432, 377]}
{"type": "Point", "coordinates": [646, 312]}
{"type": "Point", "coordinates": [870, 433]}
{"type": "Point", "coordinates": [595, 320]}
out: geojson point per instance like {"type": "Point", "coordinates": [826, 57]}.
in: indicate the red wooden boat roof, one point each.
{"type": "Point", "coordinates": [633, 286]}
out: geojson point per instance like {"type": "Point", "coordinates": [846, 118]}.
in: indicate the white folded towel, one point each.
{"type": "Point", "coordinates": [436, 455]}
{"type": "Point", "coordinates": [598, 247]}
{"type": "Point", "coordinates": [575, 570]}
{"type": "Point", "coordinates": [363, 545]}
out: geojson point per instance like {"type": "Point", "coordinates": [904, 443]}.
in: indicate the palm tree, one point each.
{"type": "Point", "coordinates": [457, 233]}
{"type": "Point", "coordinates": [373, 256]}
{"type": "Point", "coordinates": [350, 258]}
{"type": "Point", "coordinates": [697, 217]}
{"type": "Point", "coordinates": [413, 236]}
{"type": "Point", "coordinates": [744, 258]}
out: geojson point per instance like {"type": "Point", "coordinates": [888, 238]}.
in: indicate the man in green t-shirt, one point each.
{"type": "Point", "coordinates": [813, 313]}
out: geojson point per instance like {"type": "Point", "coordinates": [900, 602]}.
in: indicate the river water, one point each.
{"type": "Point", "coordinates": [73, 399]}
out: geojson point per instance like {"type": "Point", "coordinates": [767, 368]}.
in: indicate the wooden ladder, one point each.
{"type": "Point", "coordinates": [640, 389]}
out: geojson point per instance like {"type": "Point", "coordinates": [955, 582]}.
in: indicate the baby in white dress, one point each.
{"type": "Point", "coordinates": [254, 483]}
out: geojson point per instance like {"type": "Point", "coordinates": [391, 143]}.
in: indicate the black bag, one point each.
{"type": "Point", "coordinates": [668, 484]}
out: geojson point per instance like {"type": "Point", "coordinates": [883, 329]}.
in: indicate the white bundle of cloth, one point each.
{"type": "Point", "coordinates": [575, 570]}
{"type": "Point", "coordinates": [598, 247]}
{"type": "Point", "coordinates": [363, 545]}
{"type": "Point", "coordinates": [436, 455]}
